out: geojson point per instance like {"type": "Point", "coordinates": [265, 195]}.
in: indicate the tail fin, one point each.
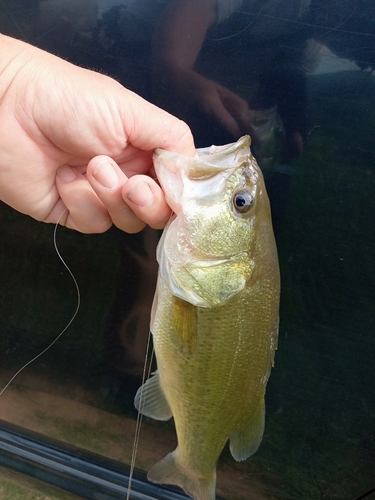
{"type": "Point", "coordinates": [167, 471]}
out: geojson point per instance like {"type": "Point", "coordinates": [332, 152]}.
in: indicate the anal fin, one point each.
{"type": "Point", "coordinates": [151, 401]}
{"type": "Point", "coordinates": [246, 441]}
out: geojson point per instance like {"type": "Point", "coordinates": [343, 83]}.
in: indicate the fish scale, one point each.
{"type": "Point", "coordinates": [215, 314]}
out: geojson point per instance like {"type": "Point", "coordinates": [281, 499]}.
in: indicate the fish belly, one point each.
{"type": "Point", "coordinates": [213, 366]}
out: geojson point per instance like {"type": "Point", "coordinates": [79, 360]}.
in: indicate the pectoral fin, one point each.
{"type": "Point", "coordinates": [184, 318]}
{"type": "Point", "coordinates": [151, 401]}
{"type": "Point", "coordinates": [246, 441]}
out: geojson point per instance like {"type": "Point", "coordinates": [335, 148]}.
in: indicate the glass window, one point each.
{"type": "Point", "coordinates": [297, 76]}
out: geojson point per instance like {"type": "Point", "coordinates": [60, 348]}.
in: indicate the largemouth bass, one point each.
{"type": "Point", "coordinates": [215, 313]}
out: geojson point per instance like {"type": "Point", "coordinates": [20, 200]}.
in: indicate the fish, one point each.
{"type": "Point", "coordinates": [215, 316]}
{"type": "Point", "coordinates": [269, 137]}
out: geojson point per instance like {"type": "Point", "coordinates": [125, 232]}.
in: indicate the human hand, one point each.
{"type": "Point", "coordinates": [97, 136]}
{"type": "Point", "coordinates": [214, 99]}
{"type": "Point", "coordinates": [177, 41]}
{"type": "Point", "coordinates": [223, 104]}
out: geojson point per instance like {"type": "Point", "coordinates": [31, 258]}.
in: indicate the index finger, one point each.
{"type": "Point", "coordinates": [149, 127]}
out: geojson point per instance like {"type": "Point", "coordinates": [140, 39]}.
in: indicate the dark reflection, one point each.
{"type": "Point", "coordinates": [127, 325]}
{"type": "Point", "coordinates": [297, 76]}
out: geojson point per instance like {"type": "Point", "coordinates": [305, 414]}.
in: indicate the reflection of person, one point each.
{"type": "Point", "coordinates": [77, 140]}
{"type": "Point", "coordinates": [218, 61]}
{"type": "Point", "coordinates": [230, 67]}
{"type": "Point", "coordinates": [178, 40]}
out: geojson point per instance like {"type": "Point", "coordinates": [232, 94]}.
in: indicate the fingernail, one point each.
{"type": "Point", "coordinates": [141, 195]}
{"type": "Point", "coordinates": [66, 174]}
{"type": "Point", "coordinates": [106, 175]}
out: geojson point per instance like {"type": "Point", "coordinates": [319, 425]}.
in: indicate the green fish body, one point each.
{"type": "Point", "coordinates": [215, 313]}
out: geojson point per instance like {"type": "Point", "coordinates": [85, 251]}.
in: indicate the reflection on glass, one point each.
{"type": "Point", "coordinates": [295, 75]}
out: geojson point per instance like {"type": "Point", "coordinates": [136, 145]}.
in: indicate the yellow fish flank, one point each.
{"type": "Point", "coordinates": [215, 313]}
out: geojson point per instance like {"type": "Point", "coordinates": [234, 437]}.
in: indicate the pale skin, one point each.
{"type": "Point", "coordinates": [177, 41]}
{"type": "Point", "coordinates": [76, 144]}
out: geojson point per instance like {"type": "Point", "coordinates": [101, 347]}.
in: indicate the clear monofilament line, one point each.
{"type": "Point", "coordinates": [145, 375]}
{"type": "Point", "coordinates": [69, 323]}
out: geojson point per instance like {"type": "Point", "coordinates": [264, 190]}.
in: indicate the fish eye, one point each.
{"type": "Point", "coordinates": [243, 201]}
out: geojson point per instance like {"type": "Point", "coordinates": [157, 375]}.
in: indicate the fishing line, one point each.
{"type": "Point", "coordinates": [146, 368]}
{"type": "Point", "coordinates": [365, 495]}
{"type": "Point", "coordinates": [69, 323]}
{"type": "Point", "coordinates": [145, 375]}
{"type": "Point", "coordinates": [296, 22]}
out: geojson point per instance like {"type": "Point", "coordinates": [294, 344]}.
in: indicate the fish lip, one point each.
{"type": "Point", "coordinates": [208, 162]}
{"type": "Point", "coordinates": [214, 151]}
{"type": "Point", "coordinates": [183, 178]}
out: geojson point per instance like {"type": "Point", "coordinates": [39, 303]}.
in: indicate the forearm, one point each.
{"type": "Point", "coordinates": [179, 35]}
{"type": "Point", "coordinates": [13, 55]}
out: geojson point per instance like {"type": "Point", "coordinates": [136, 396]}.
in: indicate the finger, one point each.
{"type": "Point", "coordinates": [86, 213]}
{"type": "Point", "coordinates": [151, 127]}
{"type": "Point", "coordinates": [232, 102]}
{"type": "Point", "coordinates": [146, 199]}
{"type": "Point", "coordinates": [224, 117]}
{"type": "Point", "coordinates": [234, 109]}
{"type": "Point", "coordinates": [107, 180]}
